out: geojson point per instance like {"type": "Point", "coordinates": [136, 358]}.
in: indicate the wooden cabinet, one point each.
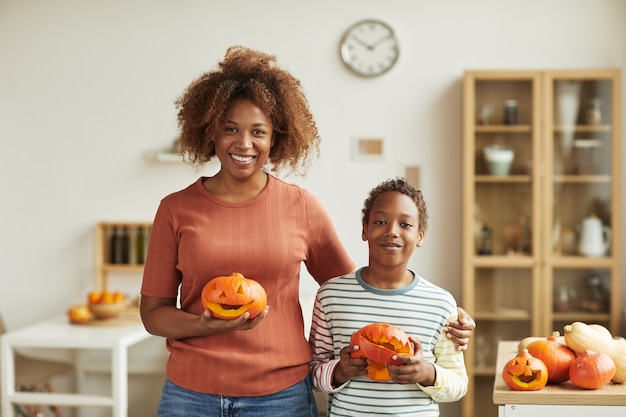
{"type": "Point", "coordinates": [540, 233]}
{"type": "Point", "coordinates": [124, 257]}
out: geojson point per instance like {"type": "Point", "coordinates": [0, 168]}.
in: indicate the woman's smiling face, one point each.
{"type": "Point", "coordinates": [243, 146]}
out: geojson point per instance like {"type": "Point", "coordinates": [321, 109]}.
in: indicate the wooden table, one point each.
{"type": "Point", "coordinates": [554, 400]}
{"type": "Point", "coordinates": [59, 333]}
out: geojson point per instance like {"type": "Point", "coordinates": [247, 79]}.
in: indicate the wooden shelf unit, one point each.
{"type": "Point", "coordinates": [103, 250]}
{"type": "Point", "coordinates": [512, 291]}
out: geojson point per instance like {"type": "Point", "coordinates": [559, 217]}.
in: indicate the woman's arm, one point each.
{"type": "Point", "coordinates": [461, 330]}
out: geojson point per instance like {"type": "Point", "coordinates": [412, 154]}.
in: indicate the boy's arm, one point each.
{"type": "Point", "coordinates": [451, 380]}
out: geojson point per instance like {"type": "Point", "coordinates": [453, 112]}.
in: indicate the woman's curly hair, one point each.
{"type": "Point", "coordinates": [255, 76]}
{"type": "Point", "coordinates": [399, 185]}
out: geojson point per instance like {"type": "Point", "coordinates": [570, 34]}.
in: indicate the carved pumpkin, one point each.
{"type": "Point", "coordinates": [591, 369]}
{"type": "Point", "coordinates": [379, 342]}
{"type": "Point", "coordinates": [525, 373]}
{"type": "Point", "coordinates": [555, 355]}
{"type": "Point", "coordinates": [228, 297]}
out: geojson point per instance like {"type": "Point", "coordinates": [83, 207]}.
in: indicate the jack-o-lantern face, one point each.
{"type": "Point", "coordinates": [525, 373]}
{"type": "Point", "coordinates": [228, 297]}
{"type": "Point", "coordinates": [379, 342]}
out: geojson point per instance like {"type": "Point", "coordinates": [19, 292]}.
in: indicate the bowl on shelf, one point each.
{"type": "Point", "coordinates": [499, 160]}
{"type": "Point", "coordinates": [107, 310]}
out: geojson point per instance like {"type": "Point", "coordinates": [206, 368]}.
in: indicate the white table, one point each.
{"type": "Point", "coordinates": [58, 333]}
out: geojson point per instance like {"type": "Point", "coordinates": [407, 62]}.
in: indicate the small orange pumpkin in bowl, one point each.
{"type": "Point", "coordinates": [228, 297]}
{"type": "Point", "coordinates": [380, 342]}
{"type": "Point", "coordinates": [105, 304]}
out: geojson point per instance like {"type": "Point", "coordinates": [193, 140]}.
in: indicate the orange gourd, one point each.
{"type": "Point", "coordinates": [228, 297]}
{"type": "Point", "coordinates": [591, 370]}
{"type": "Point", "coordinates": [555, 355]}
{"type": "Point", "coordinates": [525, 373]}
{"type": "Point", "coordinates": [379, 342]}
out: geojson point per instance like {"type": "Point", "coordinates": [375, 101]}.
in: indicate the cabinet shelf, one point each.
{"type": "Point", "coordinates": [501, 314]}
{"type": "Point", "coordinates": [583, 179]}
{"type": "Point", "coordinates": [502, 261]}
{"type": "Point", "coordinates": [566, 162]}
{"type": "Point", "coordinates": [493, 179]}
{"type": "Point", "coordinates": [578, 262]}
{"type": "Point", "coordinates": [485, 371]}
{"type": "Point", "coordinates": [503, 129]}
{"type": "Point", "coordinates": [583, 128]}
{"type": "Point", "coordinates": [122, 268]}
{"type": "Point", "coordinates": [583, 316]}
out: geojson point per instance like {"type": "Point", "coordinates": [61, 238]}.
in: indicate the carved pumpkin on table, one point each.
{"type": "Point", "coordinates": [525, 372]}
{"type": "Point", "coordinates": [228, 297]}
{"type": "Point", "coordinates": [379, 342]}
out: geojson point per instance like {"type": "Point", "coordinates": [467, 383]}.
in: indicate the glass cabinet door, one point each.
{"type": "Point", "coordinates": [540, 209]}
{"type": "Point", "coordinates": [582, 179]}
{"type": "Point", "coordinates": [501, 219]}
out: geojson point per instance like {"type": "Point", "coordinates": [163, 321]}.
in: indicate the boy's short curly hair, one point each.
{"type": "Point", "coordinates": [400, 185]}
{"type": "Point", "coordinates": [255, 76]}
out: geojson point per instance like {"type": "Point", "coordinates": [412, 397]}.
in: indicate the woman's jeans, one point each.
{"type": "Point", "coordinates": [295, 401]}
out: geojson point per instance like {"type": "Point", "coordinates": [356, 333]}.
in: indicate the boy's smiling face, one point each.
{"type": "Point", "coordinates": [392, 230]}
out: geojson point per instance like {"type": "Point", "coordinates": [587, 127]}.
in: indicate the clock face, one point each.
{"type": "Point", "coordinates": [369, 48]}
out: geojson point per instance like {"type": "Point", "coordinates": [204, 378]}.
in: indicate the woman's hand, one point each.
{"type": "Point", "coordinates": [243, 322]}
{"type": "Point", "coordinates": [461, 330]}
{"type": "Point", "coordinates": [348, 367]}
{"type": "Point", "coordinates": [161, 317]}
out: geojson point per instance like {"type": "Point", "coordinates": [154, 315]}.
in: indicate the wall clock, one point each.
{"type": "Point", "coordinates": [369, 48]}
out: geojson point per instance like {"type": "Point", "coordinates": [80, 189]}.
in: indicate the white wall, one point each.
{"type": "Point", "coordinates": [87, 87]}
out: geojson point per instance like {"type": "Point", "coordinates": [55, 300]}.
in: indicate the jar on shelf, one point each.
{"type": "Point", "coordinates": [593, 112]}
{"type": "Point", "coordinates": [510, 112]}
{"type": "Point", "coordinates": [485, 243]}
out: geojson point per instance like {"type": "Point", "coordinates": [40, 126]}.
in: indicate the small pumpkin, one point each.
{"type": "Point", "coordinates": [580, 337]}
{"type": "Point", "coordinates": [228, 297]}
{"type": "Point", "coordinates": [555, 355]}
{"type": "Point", "coordinates": [524, 372]}
{"type": "Point", "coordinates": [591, 370]}
{"type": "Point", "coordinates": [79, 314]}
{"type": "Point", "coordinates": [379, 342]}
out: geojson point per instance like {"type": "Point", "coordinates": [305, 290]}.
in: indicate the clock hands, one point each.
{"type": "Point", "coordinates": [372, 46]}
{"type": "Point", "coordinates": [384, 38]}
{"type": "Point", "coordinates": [363, 43]}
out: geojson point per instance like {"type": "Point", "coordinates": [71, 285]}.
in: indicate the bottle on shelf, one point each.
{"type": "Point", "coordinates": [125, 246]}
{"type": "Point", "coordinates": [140, 246]}
{"type": "Point", "coordinates": [115, 245]}
{"type": "Point", "coordinates": [510, 112]}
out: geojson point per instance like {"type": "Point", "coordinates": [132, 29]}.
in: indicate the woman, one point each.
{"type": "Point", "coordinates": [250, 114]}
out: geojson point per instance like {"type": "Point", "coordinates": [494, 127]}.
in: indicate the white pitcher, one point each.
{"type": "Point", "coordinates": [595, 238]}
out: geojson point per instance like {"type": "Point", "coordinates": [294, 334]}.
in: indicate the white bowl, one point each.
{"type": "Point", "coordinates": [499, 160]}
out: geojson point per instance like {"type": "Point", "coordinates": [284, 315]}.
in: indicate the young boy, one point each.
{"type": "Point", "coordinates": [394, 223]}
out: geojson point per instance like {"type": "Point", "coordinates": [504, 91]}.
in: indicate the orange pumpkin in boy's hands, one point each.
{"type": "Point", "coordinates": [228, 297]}
{"type": "Point", "coordinates": [380, 342]}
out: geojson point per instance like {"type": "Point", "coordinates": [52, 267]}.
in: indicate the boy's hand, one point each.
{"type": "Point", "coordinates": [461, 330]}
{"type": "Point", "coordinates": [414, 370]}
{"type": "Point", "coordinates": [348, 367]}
